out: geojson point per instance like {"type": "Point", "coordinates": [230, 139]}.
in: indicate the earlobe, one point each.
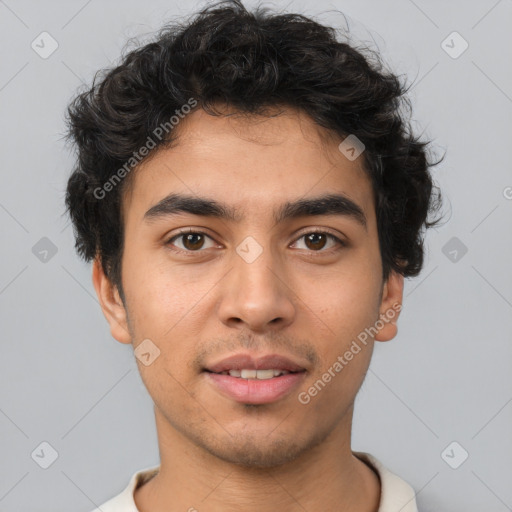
{"type": "Point", "coordinates": [111, 304]}
{"type": "Point", "coordinates": [390, 307]}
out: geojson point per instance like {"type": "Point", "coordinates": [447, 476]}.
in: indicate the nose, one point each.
{"type": "Point", "coordinates": [256, 295]}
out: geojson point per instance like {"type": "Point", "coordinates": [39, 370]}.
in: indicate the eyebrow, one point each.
{"type": "Point", "coordinates": [330, 204]}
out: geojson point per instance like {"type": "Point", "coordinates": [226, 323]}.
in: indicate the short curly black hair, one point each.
{"type": "Point", "coordinates": [250, 60]}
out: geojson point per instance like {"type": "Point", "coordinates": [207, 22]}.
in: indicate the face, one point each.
{"type": "Point", "coordinates": [301, 284]}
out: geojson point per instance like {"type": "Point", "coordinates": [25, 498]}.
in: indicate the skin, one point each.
{"type": "Point", "coordinates": [305, 301]}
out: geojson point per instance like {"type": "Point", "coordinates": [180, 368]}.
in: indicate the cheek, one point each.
{"type": "Point", "coordinates": [345, 304]}
{"type": "Point", "coordinates": [158, 297]}
{"type": "Point", "coordinates": [163, 308]}
{"type": "Point", "coordinates": [345, 301]}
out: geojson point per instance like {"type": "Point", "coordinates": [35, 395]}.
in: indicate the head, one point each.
{"type": "Point", "coordinates": [217, 194]}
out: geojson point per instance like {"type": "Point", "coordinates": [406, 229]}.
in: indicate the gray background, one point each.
{"type": "Point", "coordinates": [445, 378]}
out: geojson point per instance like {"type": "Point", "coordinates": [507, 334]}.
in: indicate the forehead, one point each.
{"type": "Point", "coordinates": [280, 132]}
{"type": "Point", "coordinates": [249, 162]}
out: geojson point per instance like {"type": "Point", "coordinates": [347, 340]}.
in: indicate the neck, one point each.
{"type": "Point", "coordinates": [326, 477]}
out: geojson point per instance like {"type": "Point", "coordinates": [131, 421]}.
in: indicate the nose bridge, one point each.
{"type": "Point", "coordinates": [255, 292]}
{"type": "Point", "coordinates": [256, 265]}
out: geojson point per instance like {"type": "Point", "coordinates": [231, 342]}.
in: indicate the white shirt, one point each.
{"type": "Point", "coordinates": [396, 494]}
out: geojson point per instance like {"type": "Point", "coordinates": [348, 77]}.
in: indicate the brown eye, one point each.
{"type": "Point", "coordinates": [316, 241]}
{"type": "Point", "coordinates": [191, 241]}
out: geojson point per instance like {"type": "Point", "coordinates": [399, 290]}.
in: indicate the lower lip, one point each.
{"type": "Point", "coordinates": [255, 391]}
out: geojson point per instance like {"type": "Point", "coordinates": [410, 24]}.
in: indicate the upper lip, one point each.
{"type": "Point", "coordinates": [246, 361]}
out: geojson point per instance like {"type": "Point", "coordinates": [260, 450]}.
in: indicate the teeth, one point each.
{"type": "Point", "coordinates": [249, 374]}
{"type": "Point", "coordinates": [256, 374]}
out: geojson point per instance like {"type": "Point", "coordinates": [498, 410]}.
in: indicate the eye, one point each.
{"type": "Point", "coordinates": [192, 241]}
{"type": "Point", "coordinates": [317, 240]}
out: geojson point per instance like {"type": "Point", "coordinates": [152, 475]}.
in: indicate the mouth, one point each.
{"type": "Point", "coordinates": [250, 380]}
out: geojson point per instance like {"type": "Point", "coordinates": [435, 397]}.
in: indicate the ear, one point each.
{"type": "Point", "coordinates": [390, 306]}
{"type": "Point", "coordinates": [111, 304]}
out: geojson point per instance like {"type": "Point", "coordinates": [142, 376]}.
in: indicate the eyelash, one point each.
{"type": "Point", "coordinates": [315, 253]}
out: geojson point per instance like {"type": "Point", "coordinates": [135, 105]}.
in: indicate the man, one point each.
{"type": "Point", "coordinates": [252, 200]}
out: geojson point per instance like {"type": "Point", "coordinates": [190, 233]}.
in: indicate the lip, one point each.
{"type": "Point", "coordinates": [247, 361]}
{"type": "Point", "coordinates": [255, 391]}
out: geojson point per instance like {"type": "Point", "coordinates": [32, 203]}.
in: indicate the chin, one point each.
{"type": "Point", "coordinates": [258, 455]}
{"type": "Point", "coordinates": [259, 450]}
